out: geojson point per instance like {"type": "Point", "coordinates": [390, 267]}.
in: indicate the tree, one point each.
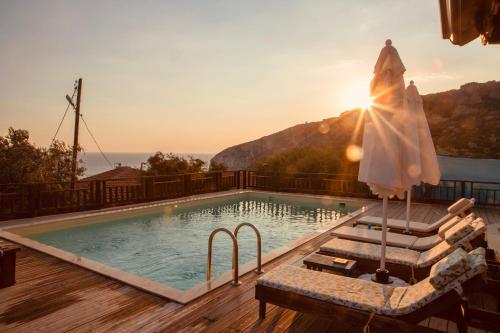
{"type": "Point", "coordinates": [57, 161]}
{"type": "Point", "coordinates": [164, 164]}
{"type": "Point", "coordinates": [23, 162]}
{"type": "Point", "coordinates": [214, 166]}
{"type": "Point", "coordinates": [308, 159]}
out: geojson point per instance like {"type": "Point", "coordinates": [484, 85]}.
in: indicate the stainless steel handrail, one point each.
{"type": "Point", "coordinates": [236, 281]}
{"type": "Point", "coordinates": [259, 244]}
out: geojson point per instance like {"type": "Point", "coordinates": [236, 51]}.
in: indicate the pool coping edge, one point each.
{"type": "Point", "coordinates": [162, 290]}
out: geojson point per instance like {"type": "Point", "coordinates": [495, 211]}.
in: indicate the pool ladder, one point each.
{"type": "Point", "coordinates": [234, 238]}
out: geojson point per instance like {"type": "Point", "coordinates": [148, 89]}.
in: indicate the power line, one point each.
{"type": "Point", "coordinates": [95, 141]}
{"type": "Point", "coordinates": [62, 120]}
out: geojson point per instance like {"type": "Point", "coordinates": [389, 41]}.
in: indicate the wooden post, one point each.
{"type": "Point", "coordinates": [33, 199]}
{"type": "Point", "coordinates": [238, 179]}
{"type": "Point", "coordinates": [144, 188]}
{"type": "Point", "coordinates": [218, 181]}
{"type": "Point", "coordinates": [75, 135]}
{"type": "Point", "coordinates": [98, 193]}
{"type": "Point", "coordinates": [187, 184]}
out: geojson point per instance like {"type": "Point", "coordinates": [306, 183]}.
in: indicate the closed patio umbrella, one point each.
{"type": "Point", "coordinates": [419, 160]}
{"type": "Point", "coordinates": [380, 166]}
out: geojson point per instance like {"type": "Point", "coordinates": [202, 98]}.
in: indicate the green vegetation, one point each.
{"type": "Point", "coordinates": [165, 164]}
{"type": "Point", "coordinates": [465, 122]}
{"type": "Point", "coordinates": [308, 160]}
{"type": "Point", "coordinates": [214, 166]}
{"type": "Point", "coordinates": [23, 162]}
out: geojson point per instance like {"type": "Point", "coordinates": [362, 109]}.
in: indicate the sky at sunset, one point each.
{"type": "Point", "coordinates": [199, 76]}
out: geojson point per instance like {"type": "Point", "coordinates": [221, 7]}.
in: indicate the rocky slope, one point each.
{"type": "Point", "coordinates": [464, 122]}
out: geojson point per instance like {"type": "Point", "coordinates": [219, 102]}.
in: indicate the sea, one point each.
{"type": "Point", "coordinates": [452, 168]}
{"type": "Point", "coordinates": [95, 163]}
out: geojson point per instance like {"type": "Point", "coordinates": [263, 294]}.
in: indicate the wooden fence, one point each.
{"type": "Point", "coordinates": [28, 200]}
{"type": "Point", "coordinates": [485, 193]}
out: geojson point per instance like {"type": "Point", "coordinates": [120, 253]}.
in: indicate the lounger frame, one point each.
{"type": "Point", "coordinates": [400, 270]}
{"type": "Point", "coordinates": [447, 307]}
{"type": "Point", "coordinates": [450, 306]}
{"type": "Point", "coordinates": [402, 230]}
{"type": "Point", "coordinates": [368, 265]}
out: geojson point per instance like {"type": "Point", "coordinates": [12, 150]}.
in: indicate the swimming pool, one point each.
{"type": "Point", "coordinates": [168, 244]}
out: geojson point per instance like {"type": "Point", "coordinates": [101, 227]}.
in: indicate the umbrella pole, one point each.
{"type": "Point", "coordinates": [408, 206]}
{"type": "Point", "coordinates": [384, 232]}
{"type": "Point", "coordinates": [382, 274]}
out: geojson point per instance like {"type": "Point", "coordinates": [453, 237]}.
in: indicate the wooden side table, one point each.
{"type": "Point", "coordinates": [319, 262]}
{"type": "Point", "coordinates": [8, 264]}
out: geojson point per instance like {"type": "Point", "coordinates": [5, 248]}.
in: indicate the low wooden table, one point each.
{"type": "Point", "coordinates": [8, 264]}
{"type": "Point", "coordinates": [319, 262]}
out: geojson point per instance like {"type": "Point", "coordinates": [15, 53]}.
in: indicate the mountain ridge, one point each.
{"type": "Point", "coordinates": [464, 122]}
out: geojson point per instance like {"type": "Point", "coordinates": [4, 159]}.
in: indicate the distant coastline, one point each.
{"type": "Point", "coordinates": [95, 163]}
{"type": "Point", "coordinates": [453, 168]}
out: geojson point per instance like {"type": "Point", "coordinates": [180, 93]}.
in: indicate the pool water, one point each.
{"type": "Point", "coordinates": [171, 246]}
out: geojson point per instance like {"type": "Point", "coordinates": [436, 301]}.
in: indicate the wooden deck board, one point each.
{"type": "Point", "coordinates": [55, 296]}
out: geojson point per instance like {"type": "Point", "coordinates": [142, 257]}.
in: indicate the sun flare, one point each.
{"type": "Point", "coordinates": [356, 95]}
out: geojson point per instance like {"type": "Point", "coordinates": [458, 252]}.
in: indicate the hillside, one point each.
{"type": "Point", "coordinates": [464, 122]}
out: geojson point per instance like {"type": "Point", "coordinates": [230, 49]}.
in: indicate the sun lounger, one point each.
{"type": "Point", "coordinates": [404, 263]}
{"type": "Point", "coordinates": [394, 309]}
{"type": "Point", "coordinates": [401, 240]}
{"type": "Point", "coordinates": [459, 208]}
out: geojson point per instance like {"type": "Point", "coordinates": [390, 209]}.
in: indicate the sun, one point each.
{"type": "Point", "coordinates": [365, 102]}
{"type": "Point", "coordinates": [355, 94]}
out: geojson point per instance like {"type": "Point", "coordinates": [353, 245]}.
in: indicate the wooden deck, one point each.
{"type": "Point", "coordinates": [55, 296]}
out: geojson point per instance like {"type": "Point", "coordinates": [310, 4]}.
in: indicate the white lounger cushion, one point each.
{"type": "Point", "coordinates": [370, 251]}
{"type": "Point", "coordinates": [459, 231]}
{"type": "Point", "coordinates": [445, 227]}
{"type": "Point", "coordinates": [394, 223]}
{"type": "Point", "coordinates": [438, 252]}
{"type": "Point", "coordinates": [364, 295]}
{"type": "Point", "coordinates": [393, 239]}
{"type": "Point", "coordinates": [353, 293]}
{"type": "Point", "coordinates": [457, 208]}
{"type": "Point", "coordinates": [338, 246]}
{"type": "Point", "coordinates": [449, 268]}
{"type": "Point", "coordinates": [461, 206]}
{"type": "Point", "coordinates": [407, 241]}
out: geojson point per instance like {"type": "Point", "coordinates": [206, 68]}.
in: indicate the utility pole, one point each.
{"type": "Point", "coordinates": [75, 135]}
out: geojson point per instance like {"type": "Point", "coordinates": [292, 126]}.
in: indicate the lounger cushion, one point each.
{"type": "Point", "coordinates": [458, 231]}
{"type": "Point", "coordinates": [397, 255]}
{"type": "Point", "coordinates": [460, 206]}
{"type": "Point", "coordinates": [449, 268]}
{"type": "Point", "coordinates": [394, 223]}
{"type": "Point", "coordinates": [445, 227]}
{"type": "Point", "coordinates": [477, 258]}
{"type": "Point", "coordinates": [393, 239]}
{"type": "Point", "coordinates": [457, 208]}
{"type": "Point", "coordinates": [353, 293]}
{"type": "Point", "coordinates": [405, 300]}
{"type": "Point", "coordinates": [425, 243]}
{"type": "Point", "coordinates": [365, 295]}
{"type": "Point", "coordinates": [374, 236]}
{"type": "Point", "coordinates": [408, 257]}
{"type": "Point", "coordinates": [436, 253]}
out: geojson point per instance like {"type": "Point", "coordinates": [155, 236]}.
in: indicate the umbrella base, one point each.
{"type": "Point", "coordinates": [382, 276]}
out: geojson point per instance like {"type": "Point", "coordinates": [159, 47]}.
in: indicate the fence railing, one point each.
{"type": "Point", "coordinates": [485, 193]}
{"type": "Point", "coordinates": [28, 200]}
